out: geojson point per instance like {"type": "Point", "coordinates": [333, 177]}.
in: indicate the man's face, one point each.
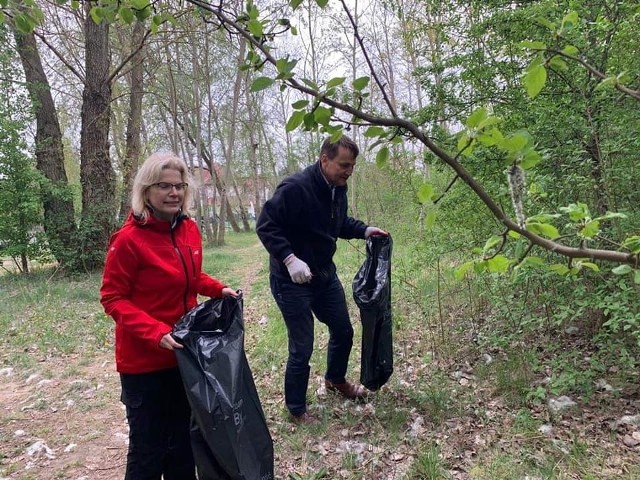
{"type": "Point", "coordinates": [338, 170]}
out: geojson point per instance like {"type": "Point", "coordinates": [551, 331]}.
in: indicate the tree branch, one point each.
{"type": "Point", "coordinates": [458, 168]}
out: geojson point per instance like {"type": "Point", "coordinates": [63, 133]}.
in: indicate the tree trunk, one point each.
{"type": "Point", "coordinates": [59, 214]}
{"type": "Point", "coordinates": [134, 122]}
{"type": "Point", "coordinates": [96, 172]}
{"type": "Point", "coordinates": [231, 144]}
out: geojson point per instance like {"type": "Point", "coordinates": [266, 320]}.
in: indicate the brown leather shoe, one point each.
{"type": "Point", "coordinates": [347, 389]}
{"type": "Point", "coordinates": [305, 419]}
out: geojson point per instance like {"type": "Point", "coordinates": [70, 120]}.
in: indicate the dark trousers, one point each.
{"type": "Point", "coordinates": [297, 302]}
{"type": "Point", "coordinates": [158, 414]}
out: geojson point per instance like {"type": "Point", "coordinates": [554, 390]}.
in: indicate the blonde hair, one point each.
{"type": "Point", "coordinates": [150, 173]}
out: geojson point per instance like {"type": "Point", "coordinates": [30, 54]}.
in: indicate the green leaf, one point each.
{"type": "Point", "coordinates": [285, 67]}
{"type": "Point", "coordinates": [607, 82]}
{"type": "Point", "coordinates": [491, 242]}
{"type": "Point", "coordinates": [322, 3]}
{"type": "Point", "coordinates": [140, 4]}
{"type": "Point", "coordinates": [295, 3]}
{"type": "Point", "coordinates": [127, 15]}
{"type": "Point", "coordinates": [632, 243]}
{"type": "Point", "coordinates": [591, 229]}
{"type": "Point", "coordinates": [491, 137]}
{"type": "Point", "coordinates": [336, 134]}
{"type": "Point", "coordinates": [462, 270]}
{"type": "Point", "coordinates": [310, 84]}
{"type": "Point", "coordinates": [374, 131]}
{"type": "Point", "coordinates": [569, 21]}
{"type": "Point", "coordinates": [514, 143]}
{"type": "Point", "coordinates": [309, 121]}
{"type": "Point", "coordinates": [622, 270]}
{"type": "Point", "coordinates": [430, 219]}
{"type": "Point", "coordinates": [576, 211]}
{"type": "Point", "coordinates": [334, 82]}
{"type": "Point", "coordinates": [300, 104]}
{"type": "Point", "coordinates": [261, 83]}
{"type": "Point", "coordinates": [425, 193]}
{"type": "Point", "coordinates": [532, 44]}
{"type": "Point", "coordinates": [533, 260]}
{"type": "Point", "coordinates": [610, 215]}
{"type": "Point", "coordinates": [489, 121]}
{"type": "Point", "coordinates": [294, 30]}
{"type": "Point", "coordinates": [480, 267]}
{"type": "Point", "coordinates": [382, 157]}
{"type": "Point", "coordinates": [544, 229]}
{"type": "Point", "coordinates": [558, 63]}
{"type": "Point", "coordinates": [142, 9]}
{"type": "Point", "coordinates": [546, 23]}
{"type": "Point", "coordinates": [498, 264]}
{"type": "Point", "coordinates": [534, 79]}
{"type": "Point", "coordinates": [590, 265]}
{"type": "Point", "coordinates": [514, 235]}
{"type": "Point", "coordinates": [543, 217]}
{"type": "Point", "coordinates": [465, 144]}
{"type": "Point", "coordinates": [255, 28]}
{"type": "Point", "coordinates": [636, 276]}
{"type": "Point", "coordinates": [23, 23]}
{"type": "Point", "coordinates": [476, 117]}
{"type": "Point", "coordinates": [530, 159]}
{"type": "Point", "coordinates": [295, 120]}
{"type": "Point", "coordinates": [570, 50]}
{"type": "Point", "coordinates": [322, 115]}
{"type": "Point", "coordinates": [97, 15]}
{"type": "Point", "coordinates": [360, 83]}
{"type": "Point", "coordinates": [559, 269]}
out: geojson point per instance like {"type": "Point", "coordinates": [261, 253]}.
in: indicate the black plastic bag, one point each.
{"type": "Point", "coordinates": [229, 433]}
{"type": "Point", "coordinates": [372, 294]}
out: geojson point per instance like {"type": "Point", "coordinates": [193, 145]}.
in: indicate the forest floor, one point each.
{"type": "Point", "coordinates": [441, 416]}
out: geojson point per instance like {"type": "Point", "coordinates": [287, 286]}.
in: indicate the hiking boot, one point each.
{"type": "Point", "coordinates": [347, 389]}
{"type": "Point", "coordinates": [304, 419]}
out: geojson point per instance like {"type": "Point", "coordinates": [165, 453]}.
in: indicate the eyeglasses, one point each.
{"type": "Point", "coordinates": [166, 186]}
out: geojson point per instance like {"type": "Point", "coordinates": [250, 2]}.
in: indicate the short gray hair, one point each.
{"type": "Point", "coordinates": [150, 173]}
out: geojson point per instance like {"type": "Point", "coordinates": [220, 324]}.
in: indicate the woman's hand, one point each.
{"type": "Point", "coordinates": [169, 343]}
{"type": "Point", "coordinates": [229, 292]}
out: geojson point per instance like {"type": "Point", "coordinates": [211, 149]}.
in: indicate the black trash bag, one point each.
{"type": "Point", "coordinates": [372, 294]}
{"type": "Point", "coordinates": [229, 433]}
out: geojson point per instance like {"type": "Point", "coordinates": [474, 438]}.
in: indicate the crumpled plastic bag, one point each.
{"type": "Point", "coordinates": [372, 294]}
{"type": "Point", "coordinates": [230, 437]}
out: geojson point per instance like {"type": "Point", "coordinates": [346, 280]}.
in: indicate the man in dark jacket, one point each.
{"type": "Point", "coordinates": [299, 227]}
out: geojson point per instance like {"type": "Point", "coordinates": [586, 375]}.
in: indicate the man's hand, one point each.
{"type": "Point", "coordinates": [298, 270]}
{"type": "Point", "coordinates": [374, 231]}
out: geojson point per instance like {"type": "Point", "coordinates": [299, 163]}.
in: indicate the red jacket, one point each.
{"type": "Point", "coordinates": [152, 276]}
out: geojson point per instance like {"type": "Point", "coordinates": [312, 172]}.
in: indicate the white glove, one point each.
{"type": "Point", "coordinates": [298, 270]}
{"type": "Point", "coordinates": [374, 231]}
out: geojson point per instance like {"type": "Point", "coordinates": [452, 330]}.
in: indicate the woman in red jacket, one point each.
{"type": "Point", "coordinates": [152, 276]}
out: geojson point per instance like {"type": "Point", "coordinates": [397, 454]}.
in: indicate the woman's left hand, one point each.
{"type": "Point", "coordinates": [229, 292]}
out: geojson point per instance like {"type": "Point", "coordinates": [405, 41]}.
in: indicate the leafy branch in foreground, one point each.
{"type": "Point", "coordinates": [481, 128]}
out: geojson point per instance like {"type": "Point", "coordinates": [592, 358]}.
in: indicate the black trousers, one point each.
{"type": "Point", "coordinates": [159, 415]}
{"type": "Point", "coordinates": [298, 304]}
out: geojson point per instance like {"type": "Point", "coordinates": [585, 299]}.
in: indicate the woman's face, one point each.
{"type": "Point", "coordinates": [167, 194]}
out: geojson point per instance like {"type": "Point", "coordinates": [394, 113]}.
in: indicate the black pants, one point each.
{"type": "Point", "coordinates": [158, 414]}
{"type": "Point", "coordinates": [298, 303]}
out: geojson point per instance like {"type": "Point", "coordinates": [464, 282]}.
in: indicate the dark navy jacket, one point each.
{"type": "Point", "coordinates": [305, 217]}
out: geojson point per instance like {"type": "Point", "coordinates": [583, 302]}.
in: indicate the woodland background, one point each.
{"type": "Point", "coordinates": [499, 147]}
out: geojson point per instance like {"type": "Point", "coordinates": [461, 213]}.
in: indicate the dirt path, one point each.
{"type": "Point", "coordinates": [66, 421]}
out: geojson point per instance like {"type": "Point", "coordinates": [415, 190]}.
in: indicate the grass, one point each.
{"type": "Point", "coordinates": [422, 425]}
